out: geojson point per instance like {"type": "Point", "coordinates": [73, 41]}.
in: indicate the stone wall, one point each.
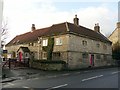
{"type": "Point", "coordinates": [33, 48]}
{"type": "Point", "coordinates": [71, 51]}
{"type": "Point", "coordinates": [45, 66]}
{"type": "Point", "coordinates": [114, 36]}
{"type": "Point", "coordinates": [65, 43]}
{"type": "Point", "coordinates": [75, 44]}
{"type": "Point", "coordinates": [76, 49]}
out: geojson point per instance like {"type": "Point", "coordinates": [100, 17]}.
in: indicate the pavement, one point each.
{"type": "Point", "coordinates": [20, 73]}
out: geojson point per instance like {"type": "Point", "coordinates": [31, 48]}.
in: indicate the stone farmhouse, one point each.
{"type": "Point", "coordinates": [115, 36]}
{"type": "Point", "coordinates": [76, 45]}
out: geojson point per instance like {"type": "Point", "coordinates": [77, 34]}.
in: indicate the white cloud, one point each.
{"type": "Point", "coordinates": [22, 13]}
{"type": "Point", "coordinates": [102, 15]}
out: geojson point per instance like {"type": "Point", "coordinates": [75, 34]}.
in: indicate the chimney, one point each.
{"type": "Point", "coordinates": [33, 27]}
{"type": "Point", "coordinates": [97, 28]}
{"type": "Point", "coordinates": [76, 20]}
{"type": "Point", "coordinates": [118, 25]}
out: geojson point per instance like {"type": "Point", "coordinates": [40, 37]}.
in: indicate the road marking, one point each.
{"type": "Point", "coordinates": [8, 84]}
{"type": "Point", "coordinates": [28, 79]}
{"type": "Point", "coordinates": [25, 87]}
{"type": "Point", "coordinates": [51, 76]}
{"type": "Point", "coordinates": [77, 72]}
{"type": "Point", "coordinates": [11, 84]}
{"type": "Point", "coordinates": [86, 71]}
{"type": "Point", "coordinates": [36, 78]}
{"type": "Point", "coordinates": [92, 78]}
{"type": "Point", "coordinates": [65, 74]}
{"type": "Point", "coordinates": [115, 72]}
{"type": "Point", "coordinates": [57, 87]}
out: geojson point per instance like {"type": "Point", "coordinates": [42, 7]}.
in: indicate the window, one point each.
{"type": "Point", "coordinates": [85, 55]}
{"type": "Point", "coordinates": [84, 43]}
{"type": "Point", "coordinates": [56, 55]}
{"type": "Point", "coordinates": [98, 56]}
{"type": "Point", "coordinates": [58, 41]}
{"type": "Point", "coordinates": [26, 55]}
{"type": "Point", "coordinates": [31, 44]}
{"type": "Point", "coordinates": [105, 57]}
{"type": "Point", "coordinates": [45, 42]}
{"type": "Point", "coordinates": [98, 45]}
{"type": "Point", "coordinates": [44, 55]}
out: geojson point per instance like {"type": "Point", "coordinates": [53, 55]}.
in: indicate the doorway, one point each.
{"type": "Point", "coordinates": [92, 60]}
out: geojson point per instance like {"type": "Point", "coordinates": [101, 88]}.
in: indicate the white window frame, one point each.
{"type": "Point", "coordinates": [58, 41]}
{"type": "Point", "coordinates": [45, 42]}
{"type": "Point", "coordinates": [44, 55]}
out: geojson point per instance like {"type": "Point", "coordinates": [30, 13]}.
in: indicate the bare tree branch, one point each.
{"type": "Point", "coordinates": [4, 32]}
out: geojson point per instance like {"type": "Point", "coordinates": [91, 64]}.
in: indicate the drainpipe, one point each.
{"type": "Point", "coordinates": [39, 42]}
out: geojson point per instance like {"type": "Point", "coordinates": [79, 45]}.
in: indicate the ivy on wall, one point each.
{"type": "Point", "coordinates": [49, 48]}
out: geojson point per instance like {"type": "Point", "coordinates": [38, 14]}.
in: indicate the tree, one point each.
{"type": "Point", "coordinates": [4, 33]}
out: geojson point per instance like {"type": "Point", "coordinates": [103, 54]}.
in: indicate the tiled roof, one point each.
{"type": "Point", "coordinates": [57, 29]}
{"type": "Point", "coordinates": [28, 37]}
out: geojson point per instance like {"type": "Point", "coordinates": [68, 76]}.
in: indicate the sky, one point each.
{"type": "Point", "coordinates": [21, 14]}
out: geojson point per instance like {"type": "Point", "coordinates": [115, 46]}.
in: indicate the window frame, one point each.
{"type": "Point", "coordinates": [45, 42]}
{"type": "Point", "coordinates": [85, 55]}
{"type": "Point", "coordinates": [84, 42]}
{"type": "Point", "coordinates": [98, 56]}
{"type": "Point", "coordinates": [44, 55]}
{"type": "Point", "coordinates": [58, 41]}
{"type": "Point", "coordinates": [98, 45]}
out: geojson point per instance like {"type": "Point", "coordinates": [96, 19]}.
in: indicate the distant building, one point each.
{"type": "Point", "coordinates": [78, 46]}
{"type": "Point", "coordinates": [115, 36]}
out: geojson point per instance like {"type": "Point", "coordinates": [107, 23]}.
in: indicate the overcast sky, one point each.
{"type": "Point", "coordinates": [21, 14]}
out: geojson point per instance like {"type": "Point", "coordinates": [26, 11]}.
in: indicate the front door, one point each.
{"type": "Point", "coordinates": [92, 60]}
{"type": "Point", "coordinates": [20, 56]}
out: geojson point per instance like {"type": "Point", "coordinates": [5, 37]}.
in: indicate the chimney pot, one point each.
{"type": "Point", "coordinates": [97, 28]}
{"type": "Point", "coordinates": [76, 20]}
{"type": "Point", "coordinates": [33, 27]}
{"type": "Point", "coordinates": [118, 25]}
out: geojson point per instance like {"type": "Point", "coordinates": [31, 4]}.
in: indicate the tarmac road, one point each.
{"type": "Point", "coordinates": [100, 78]}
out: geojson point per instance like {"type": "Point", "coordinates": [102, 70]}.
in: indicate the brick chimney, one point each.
{"type": "Point", "coordinates": [33, 27]}
{"type": "Point", "coordinates": [76, 20]}
{"type": "Point", "coordinates": [97, 28]}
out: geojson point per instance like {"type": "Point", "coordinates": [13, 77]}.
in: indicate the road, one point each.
{"type": "Point", "coordinates": [99, 78]}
